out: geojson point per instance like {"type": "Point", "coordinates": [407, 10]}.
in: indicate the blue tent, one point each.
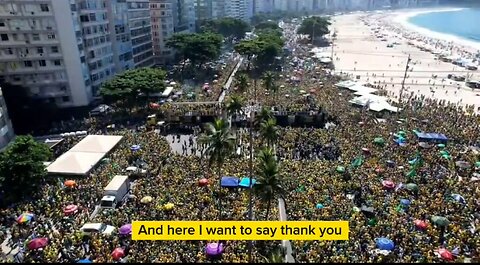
{"type": "Point", "coordinates": [230, 182]}
{"type": "Point", "coordinates": [432, 137]}
{"type": "Point", "coordinates": [245, 182]}
{"type": "Point", "coordinates": [84, 261]}
{"type": "Point", "coordinates": [384, 243]}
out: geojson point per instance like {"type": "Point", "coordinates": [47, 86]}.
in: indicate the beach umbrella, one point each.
{"type": "Point", "coordinates": [214, 249]}
{"type": "Point", "coordinates": [70, 183]}
{"type": "Point", "coordinates": [459, 198]}
{"type": "Point", "coordinates": [420, 224]}
{"type": "Point", "coordinates": [384, 243]}
{"type": "Point", "coordinates": [440, 221]}
{"type": "Point", "coordinates": [405, 202]}
{"type": "Point", "coordinates": [146, 199]}
{"type": "Point", "coordinates": [441, 145]}
{"type": "Point", "coordinates": [135, 147]}
{"type": "Point", "coordinates": [84, 261]}
{"type": "Point", "coordinates": [25, 218]}
{"type": "Point", "coordinates": [70, 209]}
{"type": "Point", "coordinates": [37, 243]}
{"type": "Point", "coordinates": [203, 182]}
{"type": "Point", "coordinates": [366, 151]}
{"type": "Point", "coordinates": [125, 229]}
{"type": "Point", "coordinates": [388, 184]}
{"type": "Point", "coordinates": [118, 253]}
{"type": "Point", "coordinates": [477, 164]}
{"type": "Point", "coordinates": [379, 141]}
{"type": "Point", "coordinates": [319, 206]}
{"type": "Point", "coordinates": [411, 187]}
{"type": "Point", "coordinates": [340, 169]}
{"type": "Point", "coordinates": [462, 164]}
{"type": "Point", "coordinates": [445, 254]}
{"type": "Point", "coordinates": [390, 163]}
{"type": "Point", "coordinates": [169, 206]}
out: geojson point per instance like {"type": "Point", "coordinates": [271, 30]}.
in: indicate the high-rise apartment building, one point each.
{"type": "Point", "coordinates": [63, 50]}
{"type": "Point", "coordinates": [237, 9]}
{"type": "Point", "coordinates": [6, 130]}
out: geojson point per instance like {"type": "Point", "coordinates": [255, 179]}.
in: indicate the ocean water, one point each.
{"type": "Point", "coordinates": [463, 23]}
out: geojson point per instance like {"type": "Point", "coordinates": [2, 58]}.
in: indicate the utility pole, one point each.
{"type": "Point", "coordinates": [250, 194]}
{"type": "Point", "coordinates": [403, 81]}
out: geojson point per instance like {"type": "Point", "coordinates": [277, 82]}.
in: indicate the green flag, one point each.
{"type": "Point", "coordinates": [412, 173]}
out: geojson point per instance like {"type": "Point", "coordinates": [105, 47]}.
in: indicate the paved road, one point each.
{"type": "Point", "coordinates": [230, 81]}
{"type": "Point", "coordinates": [285, 243]}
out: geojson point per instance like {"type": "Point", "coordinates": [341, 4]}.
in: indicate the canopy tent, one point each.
{"type": "Point", "coordinates": [374, 102]}
{"type": "Point", "coordinates": [75, 163]}
{"type": "Point", "coordinates": [85, 155]}
{"type": "Point", "coordinates": [245, 182]}
{"type": "Point", "coordinates": [97, 143]}
{"type": "Point", "coordinates": [230, 182]}
{"type": "Point", "coordinates": [432, 137]}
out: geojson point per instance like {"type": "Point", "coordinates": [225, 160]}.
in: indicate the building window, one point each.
{"type": "Point", "coordinates": [40, 50]}
{"type": "Point", "coordinates": [54, 49]}
{"type": "Point", "coordinates": [66, 99]}
{"type": "Point", "coordinates": [9, 51]}
{"type": "Point", "coordinates": [27, 63]}
{"type": "Point", "coordinates": [51, 36]}
{"type": "Point", "coordinates": [57, 62]}
{"type": "Point", "coordinates": [35, 36]}
{"type": "Point", "coordinates": [42, 63]}
{"type": "Point", "coordinates": [44, 7]}
{"type": "Point", "coordinates": [4, 37]}
{"type": "Point", "coordinates": [2, 23]}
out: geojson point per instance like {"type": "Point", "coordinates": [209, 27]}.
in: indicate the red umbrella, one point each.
{"type": "Point", "coordinates": [70, 209]}
{"type": "Point", "coordinates": [203, 182]}
{"type": "Point", "coordinates": [388, 184]}
{"type": "Point", "coordinates": [38, 243]}
{"type": "Point", "coordinates": [445, 254]}
{"type": "Point", "coordinates": [420, 224]}
{"type": "Point", "coordinates": [118, 253]}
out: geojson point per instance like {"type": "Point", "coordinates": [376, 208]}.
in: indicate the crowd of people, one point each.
{"type": "Point", "coordinates": [309, 162]}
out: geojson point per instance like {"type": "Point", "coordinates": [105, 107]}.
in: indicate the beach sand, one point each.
{"type": "Point", "coordinates": [360, 54]}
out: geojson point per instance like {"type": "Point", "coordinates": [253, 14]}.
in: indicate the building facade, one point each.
{"type": "Point", "coordinates": [6, 129]}
{"type": "Point", "coordinates": [63, 51]}
{"type": "Point", "coordinates": [237, 9]}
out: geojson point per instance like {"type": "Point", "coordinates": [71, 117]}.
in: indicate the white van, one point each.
{"type": "Point", "coordinates": [91, 228]}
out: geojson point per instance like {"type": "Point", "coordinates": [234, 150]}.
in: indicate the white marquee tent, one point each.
{"type": "Point", "coordinates": [84, 156]}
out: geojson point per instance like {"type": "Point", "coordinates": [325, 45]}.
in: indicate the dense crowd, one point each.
{"type": "Point", "coordinates": [309, 161]}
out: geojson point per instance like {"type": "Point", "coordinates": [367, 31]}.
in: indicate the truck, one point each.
{"type": "Point", "coordinates": [115, 191]}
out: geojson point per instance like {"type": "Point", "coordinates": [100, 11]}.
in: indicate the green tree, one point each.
{"type": "Point", "coordinates": [269, 83]}
{"type": "Point", "coordinates": [235, 105]}
{"type": "Point", "coordinates": [22, 168]}
{"type": "Point", "coordinates": [199, 48]}
{"type": "Point", "coordinates": [248, 48]}
{"type": "Point", "coordinates": [230, 28]}
{"type": "Point", "coordinates": [314, 27]}
{"type": "Point", "coordinates": [269, 131]}
{"type": "Point", "coordinates": [268, 185]}
{"type": "Point", "coordinates": [241, 81]}
{"type": "Point", "coordinates": [264, 115]}
{"type": "Point", "coordinates": [220, 143]}
{"type": "Point", "coordinates": [129, 84]}
{"type": "Point", "coordinates": [267, 25]}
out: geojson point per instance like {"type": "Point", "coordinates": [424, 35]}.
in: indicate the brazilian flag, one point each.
{"type": "Point", "coordinates": [357, 162]}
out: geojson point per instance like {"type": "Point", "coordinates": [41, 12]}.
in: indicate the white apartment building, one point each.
{"type": "Point", "coordinates": [140, 32]}
{"type": "Point", "coordinates": [64, 50]}
{"type": "Point", "coordinates": [237, 9]}
{"type": "Point", "coordinates": [264, 6]}
{"type": "Point", "coordinates": [161, 12]}
{"type": "Point", "coordinates": [6, 129]}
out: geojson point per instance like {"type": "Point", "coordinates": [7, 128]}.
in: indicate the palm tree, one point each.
{"type": "Point", "coordinates": [276, 256]}
{"type": "Point", "coordinates": [269, 81]}
{"type": "Point", "coordinates": [264, 115]}
{"type": "Point", "coordinates": [220, 143]}
{"type": "Point", "coordinates": [235, 106]}
{"type": "Point", "coordinates": [269, 185]}
{"type": "Point", "coordinates": [242, 82]}
{"type": "Point", "coordinates": [269, 131]}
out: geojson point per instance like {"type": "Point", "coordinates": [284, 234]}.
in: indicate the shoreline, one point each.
{"type": "Point", "coordinates": [402, 18]}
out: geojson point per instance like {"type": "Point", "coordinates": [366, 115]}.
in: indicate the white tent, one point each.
{"type": "Point", "coordinates": [97, 144]}
{"type": "Point", "coordinates": [375, 103]}
{"type": "Point", "coordinates": [75, 163]}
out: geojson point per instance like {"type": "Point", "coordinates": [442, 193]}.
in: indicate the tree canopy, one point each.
{"type": "Point", "coordinates": [129, 84]}
{"type": "Point", "coordinates": [228, 27]}
{"type": "Point", "coordinates": [199, 48]}
{"type": "Point", "coordinates": [22, 168]}
{"type": "Point", "coordinates": [314, 27]}
{"type": "Point", "coordinates": [267, 25]}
